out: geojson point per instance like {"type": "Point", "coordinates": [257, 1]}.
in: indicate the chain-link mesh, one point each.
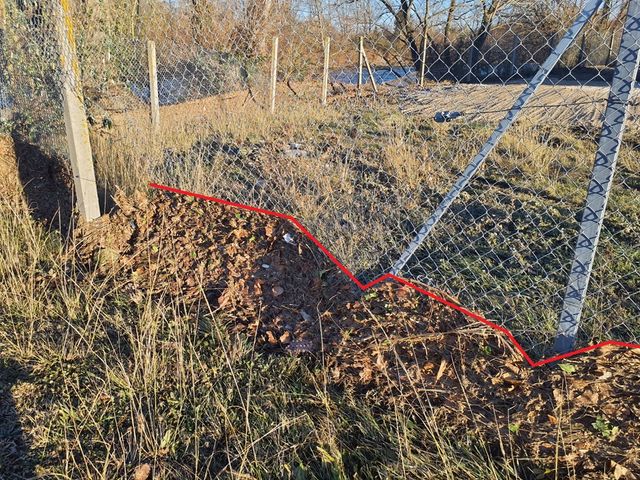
{"type": "Point", "coordinates": [364, 172]}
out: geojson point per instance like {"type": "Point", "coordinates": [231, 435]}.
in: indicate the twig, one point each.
{"type": "Point", "coordinates": [291, 88]}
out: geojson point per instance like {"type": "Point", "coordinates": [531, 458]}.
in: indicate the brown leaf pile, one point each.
{"type": "Point", "coordinates": [390, 344]}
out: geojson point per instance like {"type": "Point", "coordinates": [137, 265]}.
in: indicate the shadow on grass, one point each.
{"type": "Point", "coordinates": [15, 459]}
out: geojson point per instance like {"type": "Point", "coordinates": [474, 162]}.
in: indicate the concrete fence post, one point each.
{"type": "Point", "coordinates": [325, 70]}
{"type": "Point", "coordinates": [604, 168]}
{"type": "Point", "coordinates": [75, 118]}
{"type": "Point", "coordinates": [153, 86]}
{"type": "Point", "coordinates": [274, 74]}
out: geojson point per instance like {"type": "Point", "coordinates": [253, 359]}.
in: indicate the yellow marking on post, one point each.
{"type": "Point", "coordinates": [75, 118]}
{"type": "Point", "coordinates": [71, 40]}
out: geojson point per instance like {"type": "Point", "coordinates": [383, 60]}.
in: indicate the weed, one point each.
{"type": "Point", "coordinates": [604, 428]}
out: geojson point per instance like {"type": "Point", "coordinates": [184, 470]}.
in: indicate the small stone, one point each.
{"type": "Point", "coordinates": [265, 266]}
{"type": "Point", "coordinates": [277, 291]}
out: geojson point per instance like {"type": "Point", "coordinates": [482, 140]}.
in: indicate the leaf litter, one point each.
{"type": "Point", "coordinates": [389, 345]}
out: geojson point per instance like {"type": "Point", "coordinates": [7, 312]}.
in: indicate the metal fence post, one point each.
{"type": "Point", "coordinates": [75, 118]}
{"type": "Point", "coordinates": [601, 180]}
{"type": "Point", "coordinates": [511, 116]}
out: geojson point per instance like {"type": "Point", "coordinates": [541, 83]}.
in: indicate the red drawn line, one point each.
{"type": "Point", "coordinates": [389, 276]}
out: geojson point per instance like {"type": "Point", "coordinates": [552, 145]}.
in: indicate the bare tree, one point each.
{"type": "Point", "coordinates": [250, 36]}
{"type": "Point", "coordinates": [409, 30]}
{"type": "Point", "coordinates": [447, 29]}
{"type": "Point", "coordinates": [404, 28]}
{"type": "Point", "coordinates": [490, 9]}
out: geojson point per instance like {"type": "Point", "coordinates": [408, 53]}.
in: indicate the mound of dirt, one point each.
{"type": "Point", "coordinates": [390, 343]}
{"type": "Point", "coordinates": [248, 266]}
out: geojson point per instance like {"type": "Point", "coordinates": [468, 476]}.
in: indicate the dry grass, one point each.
{"type": "Point", "coordinates": [362, 176]}
{"type": "Point", "coordinates": [96, 384]}
{"type": "Point", "coordinates": [560, 104]}
{"type": "Point", "coordinates": [101, 381]}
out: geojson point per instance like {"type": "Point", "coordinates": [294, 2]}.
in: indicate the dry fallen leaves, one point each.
{"type": "Point", "coordinates": [285, 338]}
{"type": "Point", "coordinates": [142, 472]}
{"type": "Point", "coordinates": [621, 472]}
{"type": "Point", "coordinates": [268, 230]}
{"type": "Point", "coordinates": [240, 272]}
{"type": "Point", "coordinates": [441, 369]}
{"type": "Point", "coordinates": [271, 338]}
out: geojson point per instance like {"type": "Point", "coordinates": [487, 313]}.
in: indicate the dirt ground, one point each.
{"type": "Point", "coordinates": [552, 104]}
{"type": "Point", "coordinates": [390, 344]}
{"type": "Point", "coordinates": [46, 183]}
{"type": "Point", "coordinates": [559, 104]}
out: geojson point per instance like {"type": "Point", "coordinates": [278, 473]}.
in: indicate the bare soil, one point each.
{"type": "Point", "coordinates": [389, 344]}
{"type": "Point", "coordinates": [46, 182]}
{"type": "Point", "coordinates": [552, 104]}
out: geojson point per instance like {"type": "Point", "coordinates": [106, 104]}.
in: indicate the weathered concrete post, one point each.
{"type": "Point", "coordinates": [325, 70]}
{"type": "Point", "coordinates": [604, 168]}
{"type": "Point", "coordinates": [274, 73]}
{"type": "Point", "coordinates": [153, 86]}
{"type": "Point", "coordinates": [75, 118]}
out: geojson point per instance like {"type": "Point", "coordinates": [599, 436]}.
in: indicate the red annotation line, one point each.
{"type": "Point", "coordinates": [389, 276]}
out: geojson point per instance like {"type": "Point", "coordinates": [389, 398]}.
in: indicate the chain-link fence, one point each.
{"type": "Point", "coordinates": [414, 90]}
